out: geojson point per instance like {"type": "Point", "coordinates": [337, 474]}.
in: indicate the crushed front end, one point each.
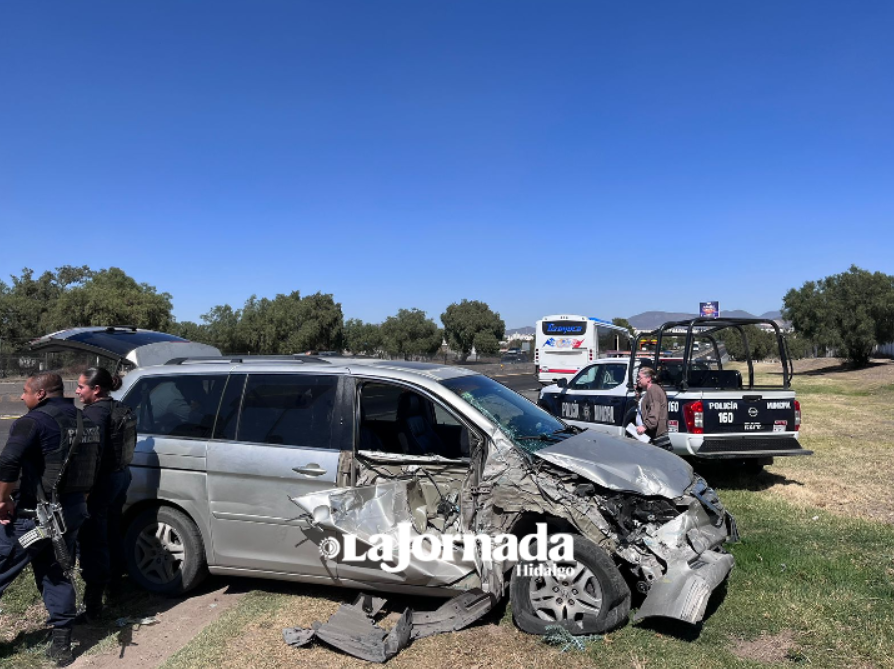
{"type": "Point", "coordinates": [674, 549]}
{"type": "Point", "coordinates": [664, 526]}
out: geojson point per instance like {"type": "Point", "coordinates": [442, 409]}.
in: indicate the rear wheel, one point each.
{"type": "Point", "coordinates": [589, 597]}
{"type": "Point", "coordinates": [164, 551]}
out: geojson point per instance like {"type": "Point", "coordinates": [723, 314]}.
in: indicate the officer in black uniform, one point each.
{"type": "Point", "coordinates": [100, 546]}
{"type": "Point", "coordinates": [55, 450]}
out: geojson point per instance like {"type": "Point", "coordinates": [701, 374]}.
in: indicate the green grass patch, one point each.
{"type": "Point", "coordinates": [20, 596]}
{"type": "Point", "coordinates": [209, 647]}
{"type": "Point", "coordinates": [804, 389]}
{"type": "Point", "coordinates": [824, 582]}
{"type": "Point", "coordinates": [22, 617]}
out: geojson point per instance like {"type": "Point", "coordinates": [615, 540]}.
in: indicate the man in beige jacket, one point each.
{"type": "Point", "coordinates": [652, 406]}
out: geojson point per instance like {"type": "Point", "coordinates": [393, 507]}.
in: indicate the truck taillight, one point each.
{"type": "Point", "coordinates": [694, 415]}
{"type": "Point", "coordinates": [797, 415]}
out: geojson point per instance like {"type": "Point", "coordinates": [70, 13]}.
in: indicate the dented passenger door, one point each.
{"type": "Point", "coordinates": [409, 473]}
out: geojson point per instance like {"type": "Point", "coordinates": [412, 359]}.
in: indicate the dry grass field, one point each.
{"type": "Point", "coordinates": [848, 421]}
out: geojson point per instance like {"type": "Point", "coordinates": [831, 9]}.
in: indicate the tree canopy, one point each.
{"type": "Point", "coordinates": [624, 323]}
{"type": "Point", "coordinates": [852, 312]}
{"type": "Point", "coordinates": [409, 334]}
{"type": "Point", "coordinates": [111, 297]}
{"type": "Point", "coordinates": [471, 323]}
{"type": "Point", "coordinates": [763, 344]}
{"type": "Point", "coordinates": [362, 338]}
{"type": "Point", "coordinates": [283, 325]}
{"type": "Point", "coordinates": [75, 297]}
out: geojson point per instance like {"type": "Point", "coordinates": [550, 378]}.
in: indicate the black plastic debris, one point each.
{"type": "Point", "coordinates": [352, 629]}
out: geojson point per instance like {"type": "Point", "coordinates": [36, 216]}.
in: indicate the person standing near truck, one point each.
{"type": "Point", "coordinates": [652, 413]}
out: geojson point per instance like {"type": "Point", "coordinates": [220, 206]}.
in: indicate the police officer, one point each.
{"type": "Point", "coordinates": [100, 546]}
{"type": "Point", "coordinates": [55, 451]}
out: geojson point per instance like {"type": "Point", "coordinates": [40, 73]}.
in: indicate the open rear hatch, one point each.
{"type": "Point", "coordinates": [127, 346]}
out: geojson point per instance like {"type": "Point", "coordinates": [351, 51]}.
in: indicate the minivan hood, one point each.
{"type": "Point", "coordinates": [621, 464]}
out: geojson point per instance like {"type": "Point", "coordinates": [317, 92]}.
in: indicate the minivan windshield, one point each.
{"type": "Point", "coordinates": [528, 426]}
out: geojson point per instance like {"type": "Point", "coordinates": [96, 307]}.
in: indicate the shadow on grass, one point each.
{"type": "Point", "coordinates": [730, 475]}
{"type": "Point", "coordinates": [840, 367]}
{"type": "Point", "coordinates": [25, 640]}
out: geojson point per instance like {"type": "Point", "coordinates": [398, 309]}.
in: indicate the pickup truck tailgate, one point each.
{"type": "Point", "coordinates": [748, 413]}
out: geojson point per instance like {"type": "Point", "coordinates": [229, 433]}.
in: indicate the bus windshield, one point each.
{"type": "Point", "coordinates": [565, 344]}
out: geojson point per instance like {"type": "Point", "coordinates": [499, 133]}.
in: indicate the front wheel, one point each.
{"type": "Point", "coordinates": [588, 595]}
{"type": "Point", "coordinates": [164, 552]}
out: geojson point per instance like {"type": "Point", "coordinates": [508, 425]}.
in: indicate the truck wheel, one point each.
{"type": "Point", "coordinates": [164, 552]}
{"type": "Point", "coordinates": [592, 599]}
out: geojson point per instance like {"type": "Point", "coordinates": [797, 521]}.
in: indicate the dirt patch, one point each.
{"type": "Point", "coordinates": [147, 646]}
{"type": "Point", "coordinates": [767, 648]}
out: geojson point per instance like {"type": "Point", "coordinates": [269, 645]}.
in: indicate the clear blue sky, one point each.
{"type": "Point", "coordinates": [607, 158]}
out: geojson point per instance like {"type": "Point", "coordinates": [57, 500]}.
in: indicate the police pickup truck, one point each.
{"type": "Point", "coordinates": [716, 409]}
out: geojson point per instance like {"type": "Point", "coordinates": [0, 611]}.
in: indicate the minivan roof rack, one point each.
{"type": "Point", "coordinates": [236, 359]}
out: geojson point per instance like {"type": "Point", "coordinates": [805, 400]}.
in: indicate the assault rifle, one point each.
{"type": "Point", "coordinates": [50, 524]}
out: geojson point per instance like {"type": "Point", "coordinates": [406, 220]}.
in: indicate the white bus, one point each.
{"type": "Point", "coordinates": [565, 344]}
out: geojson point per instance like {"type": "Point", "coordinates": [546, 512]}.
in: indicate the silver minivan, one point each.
{"type": "Point", "coordinates": [257, 466]}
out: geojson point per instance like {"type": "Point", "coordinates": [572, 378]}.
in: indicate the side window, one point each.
{"type": "Point", "coordinates": [395, 419]}
{"type": "Point", "coordinates": [288, 410]}
{"type": "Point", "coordinates": [584, 380]}
{"type": "Point", "coordinates": [443, 417]}
{"type": "Point", "coordinates": [177, 406]}
{"type": "Point", "coordinates": [610, 376]}
{"type": "Point", "coordinates": [228, 416]}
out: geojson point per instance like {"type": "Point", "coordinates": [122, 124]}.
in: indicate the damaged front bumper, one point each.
{"type": "Point", "coordinates": [690, 547]}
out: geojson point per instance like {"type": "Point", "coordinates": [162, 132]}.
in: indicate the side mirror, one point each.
{"type": "Point", "coordinates": [562, 383]}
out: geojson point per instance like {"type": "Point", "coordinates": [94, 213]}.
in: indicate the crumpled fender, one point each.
{"type": "Point", "coordinates": [696, 565]}
{"type": "Point", "coordinates": [684, 590]}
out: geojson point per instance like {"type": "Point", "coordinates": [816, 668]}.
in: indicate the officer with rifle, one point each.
{"type": "Point", "coordinates": [53, 454]}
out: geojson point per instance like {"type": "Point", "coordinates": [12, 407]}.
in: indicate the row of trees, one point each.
{"type": "Point", "coordinates": [78, 296]}
{"type": "Point", "coordinates": [849, 313]}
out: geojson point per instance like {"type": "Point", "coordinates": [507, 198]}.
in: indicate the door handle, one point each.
{"type": "Point", "coordinates": [311, 469]}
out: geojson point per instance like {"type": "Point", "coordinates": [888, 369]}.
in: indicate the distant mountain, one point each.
{"type": "Point", "coordinates": [527, 330]}
{"type": "Point", "coordinates": [737, 314]}
{"type": "Point", "coordinates": [649, 320]}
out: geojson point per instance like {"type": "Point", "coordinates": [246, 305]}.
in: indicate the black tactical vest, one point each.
{"type": "Point", "coordinates": [72, 466]}
{"type": "Point", "coordinates": [122, 433]}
